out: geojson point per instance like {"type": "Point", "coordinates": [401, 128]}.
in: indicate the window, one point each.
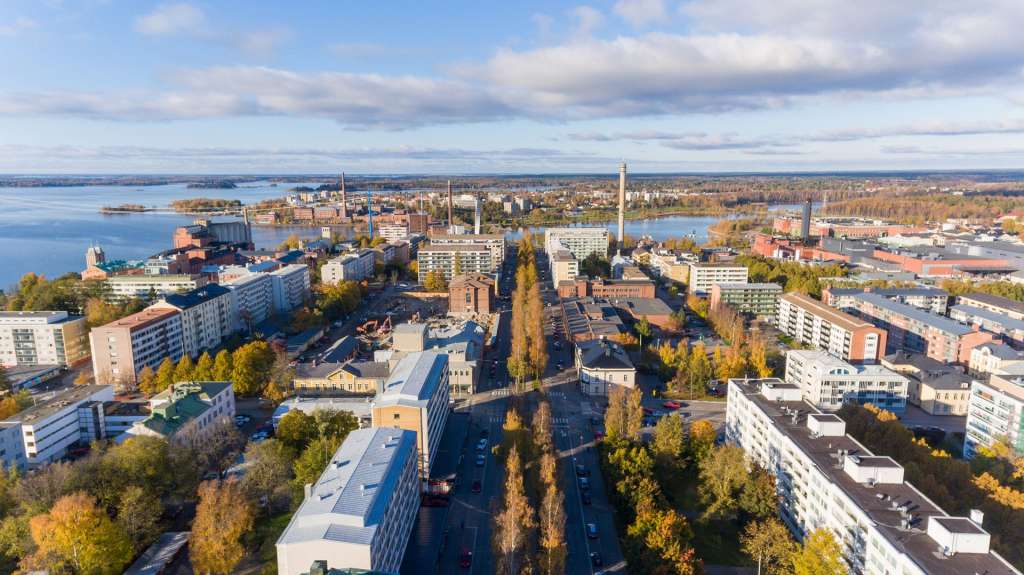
{"type": "Point", "coordinates": [397, 416]}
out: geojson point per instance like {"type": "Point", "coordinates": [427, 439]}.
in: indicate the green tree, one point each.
{"type": "Point", "coordinates": [138, 516]}
{"type": "Point", "coordinates": [702, 439]}
{"type": "Point", "coordinates": [335, 424]}
{"type": "Point", "coordinates": [204, 368]}
{"type": "Point", "coordinates": [643, 330]}
{"type": "Point", "coordinates": [79, 535]}
{"type": "Point", "coordinates": [165, 375]}
{"type": "Point", "coordinates": [723, 473]}
{"type": "Point", "coordinates": [183, 371]}
{"type": "Point", "coordinates": [311, 464]}
{"type": "Point", "coordinates": [770, 545]}
{"type": "Point", "coordinates": [758, 498]}
{"type": "Point", "coordinates": [269, 468]}
{"type": "Point", "coordinates": [669, 441]}
{"type": "Point", "coordinates": [820, 554]}
{"type": "Point", "coordinates": [296, 430]}
{"type": "Point", "coordinates": [223, 366]}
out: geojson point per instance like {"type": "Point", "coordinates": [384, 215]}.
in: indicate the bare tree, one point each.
{"type": "Point", "coordinates": [513, 523]}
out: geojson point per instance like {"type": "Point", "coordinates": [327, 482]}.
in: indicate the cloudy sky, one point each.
{"type": "Point", "coordinates": [247, 86]}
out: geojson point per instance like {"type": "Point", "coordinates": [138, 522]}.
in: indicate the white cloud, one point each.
{"type": "Point", "coordinates": [262, 42]}
{"type": "Point", "coordinates": [940, 128]}
{"type": "Point", "coordinates": [19, 25]}
{"type": "Point", "coordinates": [173, 19]}
{"type": "Point", "coordinates": [641, 12]}
{"type": "Point", "coordinates": [587, 20]}
{"type": "Point", "coordinates": [694, 141]}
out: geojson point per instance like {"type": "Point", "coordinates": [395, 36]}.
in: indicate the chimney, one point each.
{"type": "Point", "coordinates": [369, 210]}
{"type": "Point", "coordinates": [622, 206]}
{"type": "Point", "coordinates": [450, 221]}
{"type": "Point", "coordinates": [805, 222]}
{"type": "Point", "coordinates": [477, 215]}
{"type": "Point", "coordinates": [344, 199]}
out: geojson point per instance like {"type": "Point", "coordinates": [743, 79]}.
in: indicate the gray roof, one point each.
{"type": "Point", "coordinates": [751, 286]}
{"type": "Point", "coordinates": [1002, 351]}
{"type": "Point", "coordinates": [197, 296]}
{"type": "Point", "coordinates": [59, 401]}
{"type": "Point", "coordinates": [348, 501]}
{"type": "Point", "coordinates": [641, 306]}
{"type": "Point", "coordinates": [156, 558]}
{"type": "Point", "coordinates": [893, 292]}
{"type": "Point", "coordinates": [414, 380]}
{"type": "Point", "coordinates": [603, 354]}
{"type": "Point", "coordinates": [991, 316]}
{"type": "Point", "coordinates": [930, 319]}
{"type": "Point", "coordinates": [994, 300]}
{"type": "Point", "coordinates": [341, 350]}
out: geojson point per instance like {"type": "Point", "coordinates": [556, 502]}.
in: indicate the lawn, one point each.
{"type": "Point", "coordinates": [265, 538]}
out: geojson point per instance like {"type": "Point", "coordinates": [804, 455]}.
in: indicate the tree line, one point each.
{"type": "Point", "coordinates": [529, 355]}
{"type": "Point", "coordinates": [72, 294]}
{"type": "Point", "coordinates": [255, 368]}
{"type": "Point", "coordinates": [792, 276]}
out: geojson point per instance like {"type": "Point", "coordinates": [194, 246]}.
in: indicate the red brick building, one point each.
{"type": "Point", "coordinates": [583, 286]}
{"type": "Point", "coordinates": [471, 294]}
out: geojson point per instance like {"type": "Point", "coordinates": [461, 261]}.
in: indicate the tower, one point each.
{"type": "Point", "coordinates": [94, 255]}
{"type": "Point", "coordinates": [622, 207]}
{"type": "Point", "coordinates": [369, 210]}
{"type": "Point", "coordinates": [450, 221]}
{"type": "Point", "coordinates": [805, 222]}
{"type": "Point", "coordinates": [344, 199]}
{"type": "Point", "coordinates": [477, 215]}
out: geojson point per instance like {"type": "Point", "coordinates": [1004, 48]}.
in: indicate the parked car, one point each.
{"type": "Point", "coordinates": [595, 559]}
{"type": "Point", "coordinates": [584, 484]}
{"type": "Point", "coordinates": [671, 405]}
{"type": "Point", "coordinates": [482, 444]}
{"type": "Point", "coordinates": [477, 487]}
{"type": "Point", "coordinates": [581, 470]}
{"type": "Point", "coordinates": [585, 497]}
{"type": "Point", "coordinates": [466, 559]}
{"type": "Point", "coordinates": [480, 459]}
{"type": "Point", "coordinates": [592, 531]}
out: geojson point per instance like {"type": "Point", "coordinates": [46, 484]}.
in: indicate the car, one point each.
{"type": "Point", "coordinates": [581, 470]}
{"type": "Point", "coordinates": [484, 433]}
{"type": "Point", "coordinates": [466, 559]}
{"type": "Point", "coordinates": [258, 437]}
{"type": "Point", "coordinates": [585, 497]}
{"type": "Point", "coordinates": [559, 366]}
{"type": "Point", "coordinates": [584, 483]}
{"type": "Point", "coordinates": [592, 531]}
{"type": "Point", "coordinates": [482, 444]}
{"type": "Point", "coordinates": [595, 559]}
{"type": "Point", "coordinates": [598, 436]}
{"type": "Point", "coordinates": [480, 459]}
{"type": "Point", "coordinates": [477, 487]}
{"type": "Point", "coordinates": [648, 411]}
{"type": "Point", "coordinates": [671, 405]}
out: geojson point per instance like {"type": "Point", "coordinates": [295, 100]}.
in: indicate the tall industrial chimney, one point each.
{"type": "Point", "coordinates": [805, 222]}
{"type": "Point", "coordinates": [622, 207]}
{"type": "Point", "coordinates": [369, 210]}
{"type": "Point", "coordinates": [450, 221]}
{"type": "Point", "coordinates": [344, 199]}
{"type": "Point", "coordinates": [477, 215]}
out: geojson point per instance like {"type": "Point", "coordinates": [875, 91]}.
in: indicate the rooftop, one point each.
{"type": "Point", "coordinates": [833, 315]}
{"type": "Point", "coordinates": [881, 502]}
{"type": "Point", "coordinates": [993, 300]}
{"type": "Point", "coordinates": [991, 316]}
{"type": "Point", "coordinates": [590, 317]}
{"type": "Point", "coordinates": [414, 380]}
{"type": "Point", "coordinates": [348, 501]}
{"type": "Point", "coordinates": [197, 296]}
{"type": "Point", "coordinates": [753, 286]}
{"type": "Point", "coordinates": [927, 318]}
{"type": "Point", "coordinates": [455, 248]}
{"type": "Point", "coordinates": [144, 318]}
{"type": "Point", "coordinates": [892, 292]}
{"type": "Point", "coordinates": [831, 364]}
{"type": "Point", "coordinates": [641, 306]}
{"type": "Point", "coordinates": [46, 316]}
{"type": "Point", "coordinates": [603, 354]}
{"type": "Point", "coordinates": [60, 401]}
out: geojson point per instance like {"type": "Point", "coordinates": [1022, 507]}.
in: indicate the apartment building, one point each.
{"type": "Point", "coordinates": [602, 363]}
{"type": "Point", "coordinates": [291, 287]}
{"type": "Point", "coordinates": [827, 479]}
{"type": "Point", "coordinates": [207, 316]}
{"type": "Point", "coordinates": [42, 338]}
{"type": "Point", "coordinates": [669, 265]}
{"type": "Point", "coordinates": [393, 231]}
{"type": "Point", "coordinates": [758, 299]}
{"type": "Point", "coordinates": [827, 382]}
{"type": "Point", "coordinates": [470, 295]}
{"type": "Point", "coordinates": [360, 512]}
{"type": "Point", "coordinates": [150, 286]}
{"type": "Point", "coordinates": [581, 242]}
{"type": "Point", "coordinates": [52, 425]}
{"type": "Point", "coordinates": [123, 347]}
{"type": "Point", "coordinates": [1011, 330]}
{"type": "Point", "coordinates": [811, 322]}
{"type": "Point", "coordinates": [355, 266]}
{"type": "Point", "coordinates": [998, 304]}
{"type": "Point", "coordinates": [994, 358]}
{"type": "Point", "coordinates": [462, 342]}
{"type": "Point", "coordinates": [936, 387]}
{"type": "Point", "coordinates": [415, 397]}
{"type": "Point", "coordinates": [495, 243]}
{"type": "Point", "coordinates": [994, 413]}
{"type": "Point", "coordinates": [253, 299]}
{"type": "Point", "coordinates": [926, 298]}
{"type": "Point", "coordinates": [564, 267]}
{"type": "Point", "coordinates": [703, 276]}
{"type": "Point", "coordinates": [187, 403]}
{"type": "Point", "coordinates": [454, 259]}
{"type": "Point", "coordinates": [915, 330]}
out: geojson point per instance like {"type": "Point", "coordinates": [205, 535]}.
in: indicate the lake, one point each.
{"type": "Point", "coordinates": [47, 230]}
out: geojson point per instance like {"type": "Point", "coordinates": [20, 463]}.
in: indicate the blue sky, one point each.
{"type": "Point", "coordinates": [118, 86]}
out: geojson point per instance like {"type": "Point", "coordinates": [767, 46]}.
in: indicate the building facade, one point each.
{"type": "Point", "coordinates": [452, 260]}
{"type": "Point", "coordinates": [121, 348]}
{"type": "Point", "coordinates": [252, 296]}
{"type": "Point", "coordinates": [998, 323]}
{"type": "Point", "coordinates": [148, 286]}
{"type": "Point", "coordinates": [826, 479]}
{"type": "Point", "coordinates": [356, 266]}
{"type": "Point", "coordinates": [200, 404]}
{"type": "Point", "coordinates": [471, 294]}
{"type": "Point", "coordinates": [207, 317]}
{"type": "Point", "coordinates": [605, 288]}
{"type": "Point", "coordinates": [495, 243]}
{"type": "Point", "coordinates": [759, 299]}
{"type": "Point", "coordinates": [601, 364]}
{"type": "Point", "coordinates": [931, 299]}
{"type": "Point", "coordinates": [703, 276]}
{"type": "Point", "coordinates": [1008, 307]}
{"type": "Point", "coordinates": [828, 382]}
{"type": "Point", "coordinates": [811, 322]}
{"type": "Point", "coordinates": [291, 287]}
{"type": "Point", "coordinates": [42, 338]}
{"type": "Point", "coordinates": [360, 512]}
{"type": "Point", "coordinates": [51, 426]}
{"type": "Point", "coordinates": [581, 242]}
{"type": "Point", "coordinates": [995, 413]}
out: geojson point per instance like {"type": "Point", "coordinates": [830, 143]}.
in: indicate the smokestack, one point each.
{"type": "Point", "coordinates": [622, 206]}
{"type": "Point", "coordinates": [344, 199]}
{"type": "Point", "coordinates": [477, 215]}
{"type": "Point", "coordinates": [450, 221]}
{"type": "Point", "coordinates": [369, 210]}
{"type": "Point", "coordinates": [805, 222]}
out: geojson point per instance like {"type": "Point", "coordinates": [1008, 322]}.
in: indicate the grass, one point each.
{"type": "Point", "coordinates": [265, 537]}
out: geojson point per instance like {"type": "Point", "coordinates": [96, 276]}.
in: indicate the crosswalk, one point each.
{"type": "Point", "coordinates": [503, 392]}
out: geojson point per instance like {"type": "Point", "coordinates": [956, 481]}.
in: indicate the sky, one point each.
{"type": "Point", "coordinates": [250, 86]}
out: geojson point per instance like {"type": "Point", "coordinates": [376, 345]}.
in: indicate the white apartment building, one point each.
{"type": "Point", "coordinates": [602, 363]}
{"type": "Point", "coordinates": [449, 259]}
{"type": "Point", "coordinates": [995, 411]}
{"type": "Point", "coordinates": [207, 316]}
{"type": "Point", "coordinates": [291, 286]}
{"type": "Point", "coordinates": [811, 322]}
{"type": "Point", "coordinates": [415, 397]}
{"type": "Point", "coordinates": [12, 447]}
{"type": "Point", "coordinates": [393, 232]}
{"type": "Point", "coordinates": [253, 298]}
{"type": "Point", "coordinates": [146, 286]}
{"type": "Point", "coordinates": [359, 514]}
{"type": "Point", "coordinates": [493, 242]}
{"type": "Point", "coordinates": [582, 242]}
{"type": "Point", "coordinates": [42, 338]}
{"type": "Point", "coordinates": [826, 479]}
{"type": "Point", "coordinates": [52, 425]}
{"type": "Point", "coordinates": [355, 266]}
{"type": "Point", "coordinates": [828, 382]}
{"type": "Point", "coordinates": [666, 264]}
{"type": "Point", "coordinates": [564, 267]}
{"type": "Point", "coordinates": [463, 342]}
{"type": "Point", "coordinates": [932, 299]}
{"type": "Point", "coordinates": [703, 276]}
{"type": "Point", "coordinates": [123, 347]}
{"type": "Point", "coordinates": [994, 358]}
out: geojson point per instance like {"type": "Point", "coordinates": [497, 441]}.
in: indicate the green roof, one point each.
{"type": "Point", "coordinates": [171, 417]}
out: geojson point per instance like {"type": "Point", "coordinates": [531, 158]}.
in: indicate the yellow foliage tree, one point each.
{"type": "Point", "coordinates": [224, 515]}
{"type": "Point", "coordinates": [78, 534]}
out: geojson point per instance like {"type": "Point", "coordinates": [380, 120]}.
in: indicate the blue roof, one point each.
{"type": "Point", "coordinates": [414, 380]}
{"type": "Point", "coordinates": [930, 319]}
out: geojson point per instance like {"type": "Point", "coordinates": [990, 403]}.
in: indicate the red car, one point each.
{"type": "Point", "coordinates": [598, 436]}
{"type": "Point", "coordinates": [672, 405]}
{"type": "Point", "coordinates": [466, 559]}
{"type": "Point", "coordinates": [648, 411]}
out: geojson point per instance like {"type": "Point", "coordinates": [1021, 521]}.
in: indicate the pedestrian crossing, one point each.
{"type": "Point", "coordinates": [503, 392]}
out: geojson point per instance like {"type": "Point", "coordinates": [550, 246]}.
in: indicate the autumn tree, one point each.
{"type": "Point", "coordinates": [204, 368]}
{"type": "Point", "coordinates": [223, 366]}
{"type": "Point", "coordinates": [311, 463]}
{"type": "Point", "coordinates": [224, 516]}
{"type": "Point", "coordinates": [669, 441]}
{"type": "Point", "coordinates": [513, 522]}
{"type": "Point", "coordinates": [770, 545]}
{"type": "Point", "coordinates": [615, 417]}
{"type": "Point", "coordinates": [759, 358]}
{"type": "Point", "coordinates": [251, 367]}
{"type": "Point", "coordinates": [296, 430]}
{"type": "Point", "coordinates": [535, 321]}
{"type": "Point", "coordinates": [723, 473]}
{"type": "Point", "coordinates": [269, 468]}
{"type": "Point", "coordinates": [820, 554]}
{"type": "Point", "coordinates": [758, 498]}
{"type": "Point", "coordinates": [702, 439]}
{"type": "Point", "coordinates": [183, 371]}
{"type": "Point", "coordinates": [552, 530]}
{"type": "Point", "coordinates": [138, 515]}
{"type": "Point", "coordinates": [77, 534]}
{"type": "Point", "coordinates": [634, 413]}
{"type": "Point", "coordinates": [643, 330]}
{"type": "Point", "coordinates": [164, 375]}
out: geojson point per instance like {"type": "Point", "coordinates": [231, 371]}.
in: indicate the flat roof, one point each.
{"type": "Point", "coordinates": [146, 317]}
{"type": "Point", "coordinates": [892, 292]}
{"type": "Point", "coordinates": [47, 407]}
{"type": "Point", "coordinates": [641, 306]}
{"type": "Point", "coordinates": [914, 542]}
{"type": "Point", "coordinates": [349, 500]}
{"type": "Point", "coordinates": [936, 321]}
{"type": "Point", "coordinates": [989, 315]}
{"type": "Point", "coordinates": [750, 286]}
{"type": "Point", "coordinates": [820, 309]}
{"type": "Point", "coordinates": [197, 296]}
{"type": "Point", "coordinates": [50, 316]}
{"type": "Point", "coordinates": [414, 380]}
{"type": "Point", "coordinates": [468, 237]}
{"type": "Point", "coordinates": [994, 300]}
{"type": "Point", "coordinates": [455, 248]}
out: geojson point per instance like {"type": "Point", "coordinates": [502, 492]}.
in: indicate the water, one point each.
{"type": "Point", "coordinates": [657, 228]}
